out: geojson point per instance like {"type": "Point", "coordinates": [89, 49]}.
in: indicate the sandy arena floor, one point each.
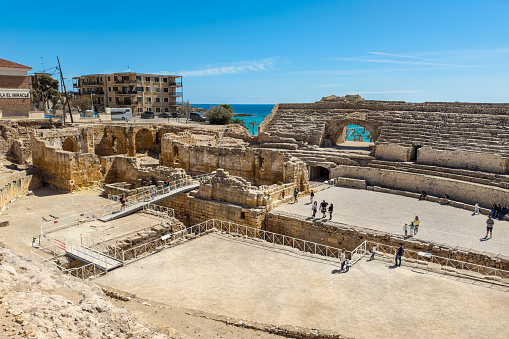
{"type": "Point", "coordinates": [389, 212]}
{"type": "Point", "coordinates": [263, 282]}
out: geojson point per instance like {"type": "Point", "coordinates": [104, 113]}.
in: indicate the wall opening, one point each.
{"type": "Point", "coordinates": [175, 155]}
{"type": "Point", "coordinates": [71, 145]}
{"type": "Point", "coordinates": [413, 152]}
{"type": "Point", "coordinates": [318, 173]}
{"type": "Point", "coordinates": [144, 141]}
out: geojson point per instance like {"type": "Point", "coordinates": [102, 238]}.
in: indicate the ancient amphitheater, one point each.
{"type": "Point", "coordinates": [211, 243]}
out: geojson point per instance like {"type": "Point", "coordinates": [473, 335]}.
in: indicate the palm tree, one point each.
{"type": "Point", "coordinates": [252, 124]}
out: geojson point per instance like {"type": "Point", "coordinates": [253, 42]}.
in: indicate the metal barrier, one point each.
{"type": "Point", "coordinates": [433, 262]}
{"type": "Point", "coordinates": [160, 211]}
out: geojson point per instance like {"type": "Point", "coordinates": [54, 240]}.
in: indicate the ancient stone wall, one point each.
{"type": "Point", "coordinates": [260, 166]}
{"type": "Point", "coordinates": [458, 190]}
{"type": "Point", "coordinates": [18, 183]}
{"type": "Point", "coordinates": [343, 236]}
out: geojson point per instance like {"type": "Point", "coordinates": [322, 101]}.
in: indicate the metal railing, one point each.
{"type": "Point", "coordinates": [160, 211]}
{"type": "Point", "coordinates": [437, 263]}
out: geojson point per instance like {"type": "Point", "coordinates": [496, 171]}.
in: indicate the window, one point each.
{"type": "Point", "coordinates": [139, 89]}
{"type": "Point", "coordinates": [165, 79]}
{"type": "Point", "coordinates": [147, 89]}
{"type": "Point", "coordinates": [138, 78]}
{"type": "Point", "coordinates": [166, 109]}
{"type": "Point", "coordinates": [140, 109]}
{"type": "Point", "coordinates": [101, 79]}
{"type": "Point", "coordinates": [139, 99]}
{"type": "Point", "coordinates": [109, 99]}
{"type": "Point", "coordinates": [147, 78]}
{"type": "Point", "coordinates": [157, 89]}
{"type": "Point", "coordinates": [156, 79]}
{"type": "Point", "coordinates": [158, 109]}
{"type": "Point", "coordinates": [166, 89]}
{"type": "Point", "coordinates": [109, 78]}
{"type": "Point", "coordinates": [115, 88]}
{"type": "Point", "coordinates": [166, 100]}
{"type": "Point", "coordinates": [109, 89]}
{"type": "Point", "coordinates": [149, 100]}
{"type": "Point", "coordinates": [158, 99]}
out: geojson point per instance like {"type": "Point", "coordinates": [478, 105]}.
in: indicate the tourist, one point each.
{"type": "Point", "coordinates": [373, 252]}
{"type": "Point", "coordinates": [489, 227]}
{"type": "Point", "coordinates": [283, 194]}
{"type": "Point", "coordinates": [423, 195]}
{"type": "Point", "coordinates": [167, 184]}
{"type": "Point", "coordinates": [497, 211]}
{"type": "Point", "coordinates": [331, 208]}
{"type": "Point", "coordinates": [323, 208]}
{"type": "Point", "coordinates": [493, 210]}
{"type": "Point", "coordinates": [343, 259]}
{"type": "Point", "coordinates": [503, 212]}
{"type": "Point", "coordinates": [314, 208]}
{"type": "Point", "coordinates": [311, 197]}
{"type": "Point", "coordinates": [445, 199]}
{"type": "Point", "coordinates": [122, 201]}
{"type": "Point", "coordinates": [295, 195]}
{"type": "Point", "coordinates": [476, 208]}
{"type": "Point", "coordinates": [412, 229]}
{"type": "Point", "coordinates": [405, 228]}
{"type": "Point", "coordinates": [416, 223]}
{"type": "Point", "coordinates": [399, 254]}
{"type": "Point", "coordinates": [153, 191]}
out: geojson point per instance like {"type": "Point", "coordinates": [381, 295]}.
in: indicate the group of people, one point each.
{"type": "Point", "coordinates": [414, 227]}
{"type": "Point", "coordinates": [323, 209]}
{"type": "Point", "coordinates": [498, 212]}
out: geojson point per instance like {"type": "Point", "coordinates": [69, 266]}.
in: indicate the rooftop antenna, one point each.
{"type": "Point", "coordinates": [42, 64]}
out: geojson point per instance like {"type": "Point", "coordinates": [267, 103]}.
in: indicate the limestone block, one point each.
{"type": "Point", "coordinates": [4, 223]}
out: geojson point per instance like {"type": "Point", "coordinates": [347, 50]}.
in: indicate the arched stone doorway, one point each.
{"type": "Point", "coordinates": [318, 173]}
{"type": "Point", "coordinates": [355, 134]}
{"type": "Point", "coordinates": [71, 145]}
{"type": "Point", "coordinates": [144, 141]}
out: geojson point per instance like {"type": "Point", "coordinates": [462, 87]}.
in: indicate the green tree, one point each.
{"type": "Point", "coordinates": [238, 121]}
{"type": "Point", "coordinates": [81, 103]}
{"type": "Point", "coordinates": [220, 115]}
{"type": "Point", "coordinates": [252, 124]}
{"type": "Point", "coordinates": [46, 90]}
{"type": "Point", "coordinates": [185, 109]}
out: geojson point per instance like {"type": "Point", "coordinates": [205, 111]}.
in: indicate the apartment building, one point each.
{"type": "Point", "coordinates": [141, 92]}
{"type": "Point", "coordinates": [14, 88]}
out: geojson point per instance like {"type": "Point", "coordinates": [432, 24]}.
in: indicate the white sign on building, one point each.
{"type": "Point", "coordinates": [14, 93]}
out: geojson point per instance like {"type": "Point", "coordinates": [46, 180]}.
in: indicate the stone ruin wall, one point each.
{"type": "Point", "coordinates": [458, 190]}
{"type": "Point", "coordinates": [260, 166]}
{"type": "Point", "coordinates": [339, 235]}
{"type": "Point", "coordinates": [18, 183]}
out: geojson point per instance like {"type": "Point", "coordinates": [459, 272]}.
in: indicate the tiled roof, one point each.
{"type": "Point", "coordinates": [10, 64]}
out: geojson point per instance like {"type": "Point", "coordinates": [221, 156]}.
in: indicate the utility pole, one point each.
{"type": "Point", "coordinates": [43, 70]}
{"type": "Point", "coordinates": [65, 93]}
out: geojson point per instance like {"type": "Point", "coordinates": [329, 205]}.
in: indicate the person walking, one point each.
{"type": "Point", "coordinates": [331, 209]}
{"type": "Point", "coordinates": [295, 195]}
{"type": "Point", "coordinates": [399, 254]}
{"type": "Point", "coordinates": [343, 259]}
{"type": "Point", "coordinates": [122, 201]}
{"type": "Point", "coordinates": [476, 208]}
{"type": "Point", "coordinates": [283, 195]}
{"type": "Point", "coordinates": [323, 208]}
{"type": "Point", "coordinates": [373, 252]}
{"type": "Point", "coordinates": [314, 208]}
{"type": "Point", "coordinates": [311, 197]}
{"type": "Point", "coordinates": [489, 227]}
{"type": "Point", "coordinates": [416, 223]}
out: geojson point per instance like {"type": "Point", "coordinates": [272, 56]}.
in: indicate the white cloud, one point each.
{"type": "Point", "coordinates": [240, 67]}
{"type": "Point", "coordinates": [402, 62]}
{"type": "Point", "coordinates": [399, 55]}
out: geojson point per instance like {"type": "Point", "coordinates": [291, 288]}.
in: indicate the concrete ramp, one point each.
{"type": "Point", "coordinates": [139, 205]}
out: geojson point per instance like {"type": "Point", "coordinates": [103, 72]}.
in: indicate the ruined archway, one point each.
{"type": "Point", "coordinates": [318, 173]}
{"type": "Point", "coordinates": [144, 141]}
{"type": "Point", "coordinates": [353, 132]}
{"type": "Point", "coordinates": [71, 145]}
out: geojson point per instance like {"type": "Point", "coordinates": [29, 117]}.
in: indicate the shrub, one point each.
{"type": "Point", "coordinates": [219, 115]}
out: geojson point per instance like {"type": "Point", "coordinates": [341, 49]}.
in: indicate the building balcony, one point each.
{"type": "Point", "coordinates": [126, 92]}
{"type": "Point", "coordinates": [92, 83]}
{"type": "Point", "coordinates": [175, 84]}
{"type": "Point", "coordinates": [125, 81]}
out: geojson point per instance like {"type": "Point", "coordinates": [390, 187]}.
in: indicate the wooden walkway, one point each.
{"type": "Point", "coordinates": [89, 256]}
{"type": "Point", "coordinates": [139, 206]}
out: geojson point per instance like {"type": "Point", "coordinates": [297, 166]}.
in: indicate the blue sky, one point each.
{"type": "Point", "coordinates": [275, 51]}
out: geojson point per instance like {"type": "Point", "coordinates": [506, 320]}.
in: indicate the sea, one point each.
{"type": "Point", "coordinates": [260, 111]}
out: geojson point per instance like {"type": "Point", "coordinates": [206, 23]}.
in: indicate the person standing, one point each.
{"type": "Point", "coordinates": [412, 229]}
{"type": "Point", "coordinates": [311, 197]}
{"type": "Point", "coordinates": [405, 228]}
{"type": "Point", "coordinates": [373, 252]}
{"type": "Point", "coordinates": [295, 195]}
{"type": "Point", "coordinates": [283, 195]}
{"type": "Point", "coordinates": [331, 209]}
{"type": "Point", "coordinates": [323, 208]}
{"type": "Point", "coordinates": [489, 227]}
{"type": "Point", "coordinates": [416, 223]}
{"type": "Point", "coordinates": [399, 254]}
{"type": "Point", "coordinates": [122, 201]}
{"type": "Point", "coordinates": [314, 208]}
{"type": "Point", "coordinates": [476, 208]}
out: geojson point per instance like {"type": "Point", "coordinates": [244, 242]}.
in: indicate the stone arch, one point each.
{"type": "Point", "coordinates": [318, 173]}
{"type": "Point", "coordinates": [175, 154]}
{"type": "Point", "coordinates": [70, 144]}
{"type": "Point", "coordinates": [144, 140]}
{"type": "Point", "coordinates": [335, 131]}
